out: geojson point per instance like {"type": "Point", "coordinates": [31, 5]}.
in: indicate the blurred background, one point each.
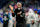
{"type": "Point", "coordinates": [26, 4]}
{"type": "Point", "coordinates": [4, 4]}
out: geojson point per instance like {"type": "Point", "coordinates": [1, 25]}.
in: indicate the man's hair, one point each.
{"type": "Point", "coordinates": [19, 3]}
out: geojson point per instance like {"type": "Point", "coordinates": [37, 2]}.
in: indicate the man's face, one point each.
{"type": "Point", "coordinates": [35, 11]}
{"type": "Point", "coordinates": [6, 12]}
{"type": "Point", "coordinates": [19, 5]}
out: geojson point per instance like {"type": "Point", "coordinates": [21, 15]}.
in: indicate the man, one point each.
{"type": "Point", "coordinates": [19, 12]}
{"type": "Point", "coordinates": [1, 18]}
{"type": "Point", "coordinates": [10, 24]}
{"type": "Point", "coordinates": [38, 18]}
{"type": "Point", "coordinates": [11, 19]}
{"type": "Point", "coordinates": [5, 15]}
{"type": "Point", "coordinates": [30, 18]}
{"type": "Point", "coordinates": [27, 24]}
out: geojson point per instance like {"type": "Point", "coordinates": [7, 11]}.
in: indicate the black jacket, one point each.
{"type": "Point", "coordinates": [18, 17]}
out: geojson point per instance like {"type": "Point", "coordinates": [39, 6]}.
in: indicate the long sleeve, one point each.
{"type": "Point", "coordinates": [13, 14]}
{"type": "Point", "coordinates": [30, 18]}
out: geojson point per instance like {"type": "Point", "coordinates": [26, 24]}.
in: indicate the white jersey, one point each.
{"type": "Point", "coordinates": [36, 18]}
{"type": "Point", "coordinates": [30, 16]}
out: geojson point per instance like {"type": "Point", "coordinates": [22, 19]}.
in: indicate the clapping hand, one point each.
{"type": "Point", "coordinates": [11, 7]}
{"type": "Point", "coordinates": [19, 13]}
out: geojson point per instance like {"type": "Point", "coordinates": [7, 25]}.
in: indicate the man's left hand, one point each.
{"type": "Point", "coordinates": [21, 15]}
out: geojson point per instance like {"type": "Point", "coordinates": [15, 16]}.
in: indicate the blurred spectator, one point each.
{"type": "Point", "coordinates": [38, 25]}
{"type": "Point", "coordinates": [30, 18]}
{"type": "Point", "coordinates": [5, 15]}
{"type": "Point", "coordinates": [10, 24]}
{"type": "Point", "coordinates": [36, 17]}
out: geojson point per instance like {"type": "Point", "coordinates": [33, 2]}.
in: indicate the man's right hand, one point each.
{"type": "Point", "coordinates": [18, 13]}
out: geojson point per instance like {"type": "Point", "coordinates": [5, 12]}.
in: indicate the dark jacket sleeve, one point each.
{"type": "Point", "coordinates": [13, 14]}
